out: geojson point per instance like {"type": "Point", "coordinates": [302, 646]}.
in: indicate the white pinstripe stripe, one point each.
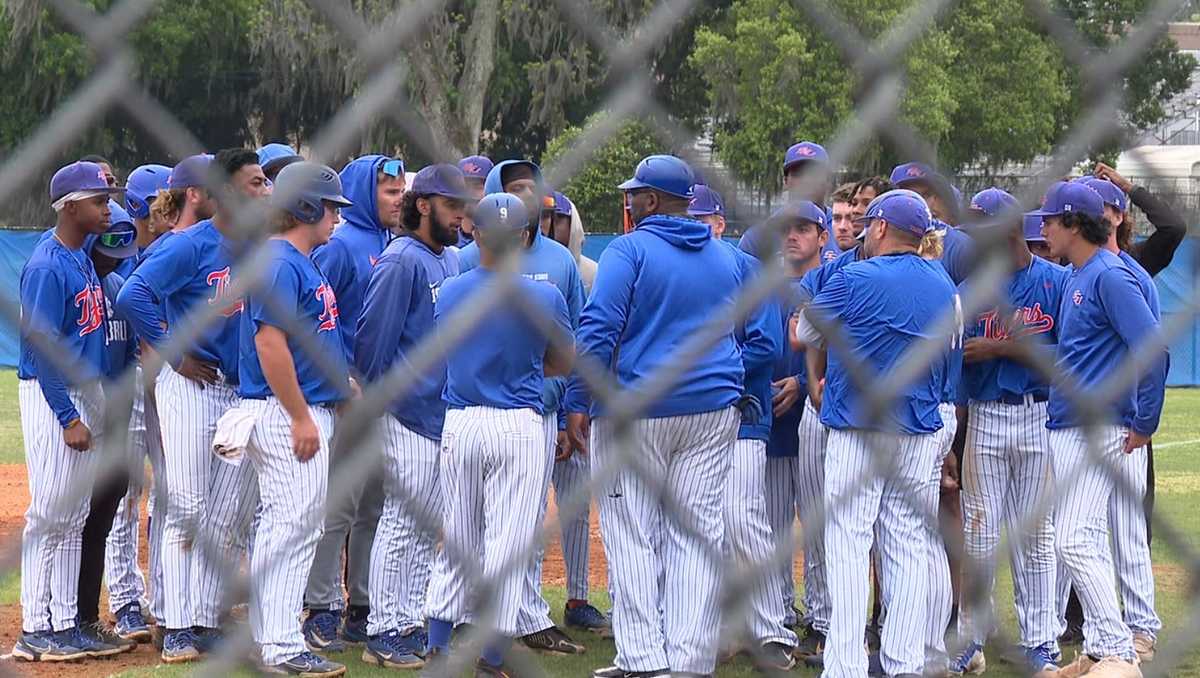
{"type": "Point", "coordinates": [570, 477]}
{"type": "Point", "coordinates": [403, 551]}
{"type": "Point", "coordinates": [810, 479]}
{"type": "Point", "coordinates": [535, 611]}
{"type": "Point", "coordinates": [856, 498]}
{"type": "Point", "coordinates": [494, 469]}
{"type": "Point", "coordinates": [1005, 477]}
{"type": "Point", "coordinates": [783, 505]}
{"type": "Point", "coordinates": [748, 541]}
{"type": "Point", "coordinates": [1083, 492]}
{"type": "Point", "coordinates": [52, 541]}
{"type": "Point", "coordinates": [1131, 550]}
{"type": "Point", "coordinates": [293, 499]}
{"type": "Point", "coordinates": [664, 586]}
{"type": "Point", "coordinates": [940, 597]}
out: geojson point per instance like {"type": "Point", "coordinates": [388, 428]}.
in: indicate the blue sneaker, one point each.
{"type": "Point", "coordinates": [588, 618]}
{"type": "Point", "coordinates": [415, 640]}
{"type": "Point", "coordinates": [207, 639]}
{"type": "Point", "coordinates": [46, 646]}
{"type": "Point", "coordinates": [390, 651]}
{"type": "Point", "coordinates": [180, 646]}
{"type": "Point", "coordinates": [307, 664]}
{"type": "Point", "coordinates": [321, 631]}
{"type": "Point", "coordinates": [98, 641]}
{"type": "Point", "coordinates": [1041, 658]}
{"type": "Point", "coordinates": [354, 630]}
{"type": "Point", "coordinates": [131, 625]}
{"type": "Point", "coordinates": [970, 660]}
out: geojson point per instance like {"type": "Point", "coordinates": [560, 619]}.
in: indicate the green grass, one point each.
{"type": "Point", "coordinates": [1177, 466]}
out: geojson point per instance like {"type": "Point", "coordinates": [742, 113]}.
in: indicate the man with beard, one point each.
{"type": "Point", "coordinates": [397, 316]}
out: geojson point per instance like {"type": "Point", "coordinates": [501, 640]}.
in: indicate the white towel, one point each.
{"type": "Point", "coordinates": [233, 434]}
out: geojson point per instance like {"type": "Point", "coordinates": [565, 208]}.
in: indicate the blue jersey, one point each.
{"type": "Point", "coordinates": [191, 270]}
{"type": "Point", "coordinates": [62, 309]}
{"type": "Point", "coordinates": [119, 343]}
{"type": "Point", "coordinates": [397, 315]}
{"type": "Point", "coordinates": [1104, 320]}
{"type": "Point", "coordinates": [503, 369]}
{"type": "Point", "coordinates": [814, 281]}
{"type": "Point", "coordinates": [295, 297]}
{"type": "Point", "coordinates": [1034, 295]}
{"type": "Point", "coordinates": [544, 261]}
{"type": "Point", "coordinates": [348, 257]}
{"type": "Point", "coordinates": [958, 252]}
{"type": "Point", "coordinates": [682, 279]}
{"type": "Point", "coordinates": [785, 429]}
{"type": "Point", "coordinates": [885, 305]}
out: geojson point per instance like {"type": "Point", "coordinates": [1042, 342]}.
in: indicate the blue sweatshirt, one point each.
{"type": "Point", "coordinates": [1147, 400]}
{"type": "Point", "coordinates": [785, 429]}
{"type": "Point", "coordinates": [397, 316]}
{"type": "Point", "coordinates": [958, 251]}
{"type": "Point", "coordinates": [655, 289]}
{"type": "Point", "coordinates": [120, 345]}
{"type": "Point", "coordinates": [62, 304]}
{"type": "Point", "coordinates": [348, 257]}
{"type": "Point", "coordinates": [761, 337]}
{"type": "Point", "coordinates": [1104, 320]}
{"type": "Point", "coordinates": [544, 261]}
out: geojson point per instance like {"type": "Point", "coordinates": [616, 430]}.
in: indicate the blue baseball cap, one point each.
{"type": "Point", "coordinates": [142, 185]}
{"type": "Point", "coordinates": [191, 172]}
{"type": "Point", "coordinates": [805, 210]}
{"type": "Point", "coordinates": [805, 151]}
{"type": "Point", "coordinates": [705, 201]}
{"type": "Point", "coordinates": [914, 171]}
{"type": "Point", "coordinates": [1032, 225]}
{"type": "Point", "coordinates": [562, 206]}
{"type": "Point", "coordinates": [664, 173]}
{"type": "Point", "coordinates": [500, 212]}
{"type": "Point", "coordinates": [1064, 197]}
{"type": "Point", "coordinates": [444, 180]}
{"type": "Point", "coordinates": [273, 155]}
{"type": "Point", "coordinates": [902, 209]}
{"type": "Point", "coordinates": [476, 166]}
{"type": "Point", "coordinates": [120, 240]}
{"type": "Point", "coordinates": [1109, 192]}
{"type": "Point", "coordinates": [83, 178]}
{"type": "Point", "coordinates": [994, 202]}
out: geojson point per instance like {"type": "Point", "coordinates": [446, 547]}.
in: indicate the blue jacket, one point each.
{"type": "Point", "coordinates": [785, 429]}
{"type": "Point", "coordinates": [348, 257]}
{"type": "Point", "coordinates": [655, 289]}
{"type": "Point", "coordinates": [760, 337]}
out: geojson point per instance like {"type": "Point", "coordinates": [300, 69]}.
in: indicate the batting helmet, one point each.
{"type": "Point", "coordinates": [500, 212]}
{"type": "Point", "coordinates": [141, 187]}
{"type": "Point", "coordinates": [664, 173]}
{"type": "Point", "coordinates": [303, 188]}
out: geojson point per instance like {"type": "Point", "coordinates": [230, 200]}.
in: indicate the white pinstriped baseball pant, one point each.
{"type": "Point", "coordinates": [783, 504]}
{"type": "Point", "coordinates": [535, 611]}
{"type": "Point", "coordinates": [940, 598]}
{"type": "Point", "coordinates": [810, 479]}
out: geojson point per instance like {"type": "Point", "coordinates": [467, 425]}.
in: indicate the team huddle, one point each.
{"type": "Point", "coordinates": [252, 298]}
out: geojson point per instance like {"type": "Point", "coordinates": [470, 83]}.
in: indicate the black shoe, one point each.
{"type": "Point", "coordinates": [552, 641]}
{"type": "Point", "coordinates": [774, 657]}
{"type": "Point", "coordinates": [1072, 636]}
{"type": "Point", "coordinates": [873, 638]}
{"type": "Point", "coordinates": [102, 641]}
{"type": "Point", "coordinates": [812, 643]}
{"type": "Point", "coordinates": [815, 661]}
{"type": "Point", "coordinates": [615, 672]}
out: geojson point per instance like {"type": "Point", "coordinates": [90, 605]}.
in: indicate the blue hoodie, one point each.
{"type": "Point", "coordinates": [760, 337]}
{"type": "Point", "coordinates": [492, 183]}
{"type": "Point", "coordinates": [655, 289]}
{"type": "Point", "coordinates": [348, 257]}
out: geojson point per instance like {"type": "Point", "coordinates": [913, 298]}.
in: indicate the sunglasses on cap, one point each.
{"type": "Point", "coordinates": [117, 239]}
{"type": "Point", "coordinates": [393, 168]}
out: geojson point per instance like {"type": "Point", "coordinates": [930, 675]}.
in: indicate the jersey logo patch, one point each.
{"type": "Point", "coordinates": [90, 302]}
{"type": "Point", "coordinates": [830, 256]}
{"type": "Point", "coordinates": [1077, 297]}
{"type": "Point", "coordinates": [1024, 321]}
{"type": "Point", "coordinates": [328, 319]}
{"type": "Point", "coordinates": [220, 279]}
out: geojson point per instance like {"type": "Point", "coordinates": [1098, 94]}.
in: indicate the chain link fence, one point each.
{"type": "Point", "coordinates": [114, 86]}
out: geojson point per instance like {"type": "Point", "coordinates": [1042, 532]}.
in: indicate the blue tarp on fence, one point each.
{"type": "Point", "coordinates": [1174, 286]}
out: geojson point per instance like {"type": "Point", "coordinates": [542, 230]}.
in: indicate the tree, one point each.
{"type": "Point", "coordinates": [593, 188]}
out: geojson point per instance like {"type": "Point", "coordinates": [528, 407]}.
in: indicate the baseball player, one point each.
{"type": "Point", "coordinates": [545, 260]}
{"type": "Point", "coordinates": [841, 218]}
{"type": "Point", "coordinates": [397, 314]}
{"type": "Point", "coordinates": [62, 324]}
{"type": "Point", "coordinates": [1032, 225]}
{"type": "Point", "coordinates": [1006, 460]}
{"type": "Point", "coordinates": [375, 184]}
{"type": "Point", "coordinates": [187, 199]}
{"type": "Point", "coordinates": [291, 393]}
{"type": "Point", "coordinates": [806, 176]}
{"type": "Point", "coordinates": [884, 305]}
{"type": "Point", "coordinates": [210, 502]}
{"type": "Point", "coordinates": [494, 446]}
{"type": "Point", "coordinates": [1104, 320]}
{"type": "Point", "coordinates": [475, 169]}
{"type": "Point", "coordinates": [274, 157]}
{"type": "Point", "coordinates": [126, 584]}
{"type": "Point", "coordinates": [656, 288]}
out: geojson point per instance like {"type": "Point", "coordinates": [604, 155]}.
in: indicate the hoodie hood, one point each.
{"type": "Point", "coordinates": [575, 244]}
{"type": "Point", "coordinates": [358, 184]}
{"type": "Point", "coordinates": [493, 184]}
{"type": "Point", "coordinates": [686, 234]}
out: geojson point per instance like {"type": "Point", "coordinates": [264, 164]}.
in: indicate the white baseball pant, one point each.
{"type": "Point", "coordinates": [1131, 550]}
{"type": "Point", "coordinates": [665, 565]}
{"type": "Point", "coordinates": [810, 481]}
{"type": "Point", "coordinates": [60, 489]}
{"type": "Point", "coordinates": [748, 540]}
{"type": "Point", "coordinates": [494, 470]}
{"type": "Point", "coordinates": [783, 504]}
{"type": "Point", "coordinates": [1006, 480]}
{"type": "Point", "coordinates": [403, 552]}
{"type": "Point", "coordinates": [940, 598]}
{"type": "Point", "coordinates": [1084, 484]}
{"type": "Point", "coordinates": [875, 479]}
{"type": "Point", "coordinates": [534, 615]}
{"type": "Point", "coordinates": [209, 502]}
{"type": "Point", "coordinates": [292, 517]}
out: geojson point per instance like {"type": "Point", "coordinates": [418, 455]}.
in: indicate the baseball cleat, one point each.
{"type": "Point", "coordinates": [321, 631]}
{"type": "Point", "coordinates": [552, 641]}
{"type": "Point", "coordinates": [812, 643]}
{"type": "Point", "coordinates": [486, 670]}
{"type": "Point", "coordinates": [970, 660]}
{"type": "Point", "coordinates": [774, 657]}
{"type": "Point", "coordinates": [390, 651]}
{"type": "Point", "coordinates": [131, 625]}
{"type": "Point", "coordinates": [98, 641]}
{"type": "Point", "coordinates": [307, 664]}
{"type": "Point", "coordinates": [354, 629]}
{"type": "Point", "coordinates": [46, 646]}
{"type": "Point", "coordinates": [1040, 659]}
{"type": "Point", "coordinates": [415, 639]}
{"type": "Point", "coordinates": [588, 618]}
{"type": "Point", "coordinates": [180, 646]}
{"type": "Point", "coordinates": [617, 672]}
